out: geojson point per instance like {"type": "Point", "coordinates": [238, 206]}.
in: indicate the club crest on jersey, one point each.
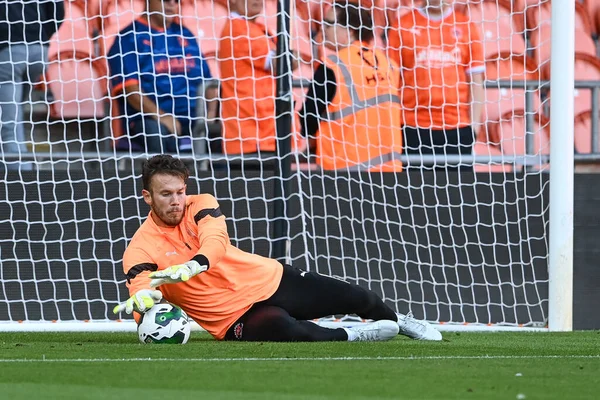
{"type": "Point", "coordinates": [238, 330]}
{"type": "Point", "coordinates": [457, 32]}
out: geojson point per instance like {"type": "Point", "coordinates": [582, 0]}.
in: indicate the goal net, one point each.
{"type": "Point", "coordinates": [456, 235]}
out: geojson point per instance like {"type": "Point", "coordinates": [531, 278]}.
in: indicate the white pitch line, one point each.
{"type": "Point", "coordinates": [250, 359]}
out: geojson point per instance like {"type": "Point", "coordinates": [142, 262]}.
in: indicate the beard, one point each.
{"type": "Point", "coordinates": [168, 217]}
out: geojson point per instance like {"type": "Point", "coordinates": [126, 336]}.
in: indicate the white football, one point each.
{"type": "Point", "coordinates": [164, 323]}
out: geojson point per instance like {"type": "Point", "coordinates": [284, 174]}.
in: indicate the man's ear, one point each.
{"type": "Point", "coordinates": [147, 197]}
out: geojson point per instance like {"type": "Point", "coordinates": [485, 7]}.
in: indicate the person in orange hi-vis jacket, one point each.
{"type": "Point", "coordinates": [183, 249]}
{"type": "Point", "coordinates": [352, 110]}
{"type": "Point", "coordinates": [248, 65]}
{"type": "Point", "coordinates": [440, 53]}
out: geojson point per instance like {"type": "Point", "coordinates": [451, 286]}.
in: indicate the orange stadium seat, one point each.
{"type": "Point", "coordinates": [583, 132]}
{"type": "Point", "coordinates": [506, 66]}
{"type": "Point", "coordinates": [115, 16]}
{"type": "Point", "coordinates": [593, 9]}
{"type": "Point", "coordinates": [510, 133]}
{"type": "Point", "coordinates": [484, 148]}
{"type": "Point", "coordinates": [540, 13]}
{"type": "Point", "coordinates": [499, 29]}
{"type": "Point", "coordinates": [541, 43]}
{"type": "Point", "coordinates": [76, 78]}
{"type": "Point", "coordinates": [205, 19]}
{"type": "Point", "coordinates": [84, 12]}
{"type": "Point", "coordinates": [587, 68]}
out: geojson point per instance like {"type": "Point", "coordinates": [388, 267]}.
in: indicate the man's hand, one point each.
{"type": "Point", "coordinates": [176, 273]}
{"type": "Point", "coordinates": [141, 301]}
{"type": "Point", "coordinates": [171, 123]}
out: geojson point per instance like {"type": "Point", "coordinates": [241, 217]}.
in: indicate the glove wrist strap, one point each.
{"type": "Point", "coordinates": [201, 259]}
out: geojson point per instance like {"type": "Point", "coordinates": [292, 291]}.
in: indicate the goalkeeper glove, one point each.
{"type": "Point", "coordinates": [141, 301]}
{"type": "Point", "coordinates": [177, 273]}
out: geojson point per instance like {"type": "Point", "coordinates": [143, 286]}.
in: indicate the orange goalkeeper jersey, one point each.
{"type": "Point", "coordinates": [215, 299]}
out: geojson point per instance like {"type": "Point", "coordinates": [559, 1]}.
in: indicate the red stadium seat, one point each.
{"type": "Point", "coordinates": [587, 68]}
{"type": "Point", "coordinates": [583, 132]}
{"type": "Point", "coordinates": [499, 29]}
{"type": "Point", "coordinates": [593, 9]}
{"type": "Point", "coordinates": [76, 78]}
{"type": "Point", "coordinates": [120, 13]}
{"type": "Point", "coordinates": [541, 44]}
{"type": "Point", "coordinates": [206, 20]}
{"type": "Point", "coordinates": [540, 13]}
{"type": "Point", "coordinates": [115, 16]}
{"type": "Point", "coordinates": [487, 149]}
{"type": "Point", "coordinates": [503, 100]}
{"type": "Point", "coordinates": [510, 133]}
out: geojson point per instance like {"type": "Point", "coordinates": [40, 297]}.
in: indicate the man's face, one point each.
{"type": "Point", "coordinates": [334, 34]}
{"type": "Point", "coordinates": [166, 198]}
{"type": "Point", "coordinates": [248, 8]}
{"type": "Point", "coordinates": [436, 3]}
{"type": "Point", "coordinates": [169, 8]}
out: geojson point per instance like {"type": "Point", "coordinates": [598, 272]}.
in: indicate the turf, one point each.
{"type": "Point", "coordinates": [463, 366]}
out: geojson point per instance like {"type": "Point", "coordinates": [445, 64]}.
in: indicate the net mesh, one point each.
{"type": "Point", "coordinates": [451, 237]}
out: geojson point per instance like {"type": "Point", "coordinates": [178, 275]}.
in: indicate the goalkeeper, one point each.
{"type": "Point", "coordinates": [183, 249]}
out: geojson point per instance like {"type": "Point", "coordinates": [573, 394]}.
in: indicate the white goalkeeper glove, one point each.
{"type": "Point", "coordinates": [141, 301]}
{"type": "Point", "coordinates": [176, 273]}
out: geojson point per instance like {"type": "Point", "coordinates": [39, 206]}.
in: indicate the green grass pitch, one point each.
{"type": "Point", "coordinates": [463, 366]}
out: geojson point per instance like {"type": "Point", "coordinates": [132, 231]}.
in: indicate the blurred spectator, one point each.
{"type": "Point", "coordinates": [248, 67]}
{"type": "Point", "coordinates": [352, 107]}
{"type": "Point", "coordinates": [157, 64]}
{"type": "Point", "coordinates": [441, 78]}
{"type": "Point", "coordinates": [25, 29]}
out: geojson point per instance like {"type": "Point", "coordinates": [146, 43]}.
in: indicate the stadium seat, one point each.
{"type": "Point", "coordinates": [541, 13]}
{"type": "Point", "coordinates": [206, 19]}
{"type": "Point", "coordinates": [587, 68]}
{"type": "Point", "coordinates": [499, 102]}
{"type": "Point", "coordinates": [541, 43]}
{"type": "Point", "coordinates": [76, 78]}
{"type": "Point", "coordinates": [115, 16]}
{"type": "Point", "coordinates": [583, 132]}
{"type": "Point", "coordinates": [120, 13]}
{"type": "Point", "coordinates": [482, 148]}
{"type": "Point", "coordinates": [593, 9]}
{"type": "Point", "coordinates": [89, 10]}
{"type": "Point", "coordinates": [509, 133]}
{"type": "Point", "coordinates": [499, 29]}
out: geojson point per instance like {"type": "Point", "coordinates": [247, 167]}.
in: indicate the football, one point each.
{"type": "Point", "coordinates": [164, 323]}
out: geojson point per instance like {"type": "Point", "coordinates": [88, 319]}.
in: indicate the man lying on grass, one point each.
{"type": "Point", "coordinates": [183, 249]}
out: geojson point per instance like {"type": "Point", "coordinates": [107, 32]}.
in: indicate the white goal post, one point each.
{"type": "Point", "coordinates": [485, 251]}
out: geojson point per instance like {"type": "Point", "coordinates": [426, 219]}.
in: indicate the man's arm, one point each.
{"type": "Point", "coordinates": [320, 93]}
{"type": "Point", "coordinates": [272, 61]}
{"type": "Point", "coordinates": [394, 45]}
{"type": "Point", "coordinates": [137, 266]}
{"type": "Point", "coordinates": [212, 102]}
{"type": "Point", "coordinates": [477, 99]}
{"type": "Point", "coordinates": [476, 70]}
{"type": "Point", "coordinates": [212, 230]}
{"type": "Point", "coordinates": [144, 104]}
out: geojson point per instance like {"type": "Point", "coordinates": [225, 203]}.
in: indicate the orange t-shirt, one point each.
{"type": "Point", "coordinates": [436, 58]}
{"type": "Point", "coordinates": [215, 299]}
{"type": "Point", "coordinates": [246, 51]}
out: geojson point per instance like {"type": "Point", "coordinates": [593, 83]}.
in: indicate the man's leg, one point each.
{"type": "Point", "coordinates": [308, 295]}
{"type": "Point", "coordinates": [264, 323]}
{"type": "Point", "coordinates": [146, 132]}
{"type": "Point", "coordinates": [13, 67]}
